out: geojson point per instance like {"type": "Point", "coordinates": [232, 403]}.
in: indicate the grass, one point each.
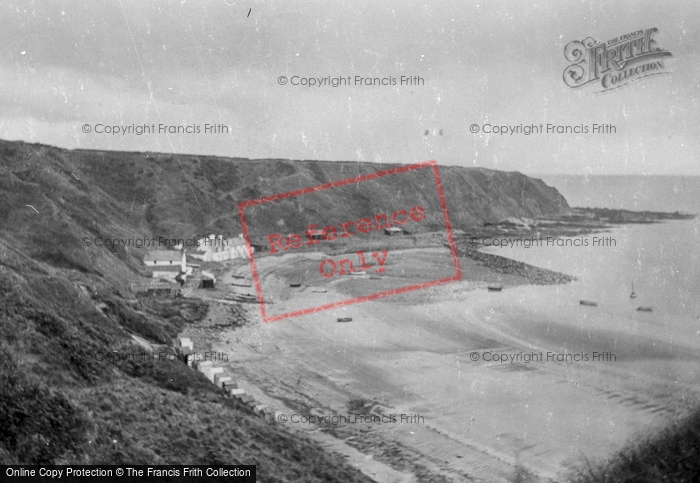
{"type": "Point", "coordinates": [58, 406]}
{"type": "Point", "coordinates": [673, 455]}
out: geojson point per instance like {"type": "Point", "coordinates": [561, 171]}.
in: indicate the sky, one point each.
{"type": "Point", "coordinates": [69, 68]}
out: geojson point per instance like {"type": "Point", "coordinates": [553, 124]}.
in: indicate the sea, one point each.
{"type": "Point", "coordinates": [652, 193]}
{"type": "Point", "coordinates": [659, 261]}
{"type": "Point", "coordinates": [662, 260]}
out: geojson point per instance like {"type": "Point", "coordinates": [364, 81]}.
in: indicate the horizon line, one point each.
{"type": "Point", "coordinates": [398, 163]}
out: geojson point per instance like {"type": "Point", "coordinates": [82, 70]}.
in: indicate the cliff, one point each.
{"type": "Point", "coordinates": [121, 195]}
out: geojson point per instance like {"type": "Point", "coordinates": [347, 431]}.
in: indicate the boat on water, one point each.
{"type": "Point", "coordinates": [590, 303]}
{"type": "Point", "coordinates": [495, 288]}
{"type": "Point", "coordinates": [644, 309]}
{"type": "Point", "coordinates": [345, 319]}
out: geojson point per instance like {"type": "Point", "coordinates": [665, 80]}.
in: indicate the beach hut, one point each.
{"type": "Point", "coordinates": [202, 365]}
{"type": "Point", "coordinates": [268, 414]}
{"type": "Point", "coordinates": [228, 385]}
{"type": "Point", "coordinates": [187, 356]}
{"type": "Point", "coordinates": [193, 358]}
{"type": "Point", "coordinates": [220, 378]}
{"type": "Point", "coordinates": [263, 412]}
{"type": "Point", "coordinates": [212, 372]}
{"type": "Point", "coordinates": [248, 402]}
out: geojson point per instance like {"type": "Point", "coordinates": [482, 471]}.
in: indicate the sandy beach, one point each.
{"type": "Point", "coordinates": [428, 358]}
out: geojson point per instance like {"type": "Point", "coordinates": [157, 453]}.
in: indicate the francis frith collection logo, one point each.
{"type": "Point", "coordinates": [604, 66]}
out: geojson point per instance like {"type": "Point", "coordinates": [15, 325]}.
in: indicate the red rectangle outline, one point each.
{"type": "Point", "coordinates": [412, 167]}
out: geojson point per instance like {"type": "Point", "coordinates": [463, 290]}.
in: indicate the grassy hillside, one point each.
{"type": "Point", "coordinates": [673, 455]}
{"type": "Point", "coordinates": [62, 302]}
{"type": "Point", "coordinates": [120, 195]}
{"type": "Point", "coordinates": [59, 405]}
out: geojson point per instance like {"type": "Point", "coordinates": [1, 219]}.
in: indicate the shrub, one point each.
{"type": "Point", "coordinates": [38, 426]}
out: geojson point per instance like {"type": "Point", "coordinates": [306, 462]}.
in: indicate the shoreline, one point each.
{"type": "Point", "coordinates": [315, 367]}
{"type": "Point", "coordinates": [406, 354]}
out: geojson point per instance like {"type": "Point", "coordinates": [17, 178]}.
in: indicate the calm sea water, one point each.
{"type": "Point", "coordinates": [662, 260]}
{"type": "Point", "coordinates": [655, 193]}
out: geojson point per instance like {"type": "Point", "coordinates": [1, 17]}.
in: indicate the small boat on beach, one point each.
{"type": "Point", "coordinates": [242, 297]}
{"type": "Point", "coordinates": [375, 277]}
{"type": "Point", "coordinates": [495, 288]}
{"type": "Point", "coordinates": [633, 295]}
{"type": "Point", "coordinates": [345, 319]}
{"type": "Point", "coordinates": [590, 303]}
{"type": "Point", "coordinates": [320, 290]}
{"type": "Point", "coordinates": [295, 284]}
{"type": "Point", "coordinates": [358, 273]}
{"type": "Point", "coordinates": [644, 309]}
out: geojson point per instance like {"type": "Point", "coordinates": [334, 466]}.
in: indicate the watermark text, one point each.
{"type": "Point", "coordinates": [529, 242]}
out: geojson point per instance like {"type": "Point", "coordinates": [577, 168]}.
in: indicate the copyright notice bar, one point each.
{"type": "Point", "coordinates": [136, 473]}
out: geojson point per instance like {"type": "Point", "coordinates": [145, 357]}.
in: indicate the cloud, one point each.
{"type": "Point", "coordinates": [185, 63]}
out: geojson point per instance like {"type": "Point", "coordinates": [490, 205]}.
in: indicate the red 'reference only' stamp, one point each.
{"type": "Point", "coordinates": [420, 212]}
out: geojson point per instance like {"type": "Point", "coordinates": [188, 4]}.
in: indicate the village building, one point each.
{"type": "Point", "coordinates": [314, 235]}
{"type": "Point", "coordinates": [208, 280]}
{"type": "Point", "coordinates": [215, 248]}
{"type": "Point", "coordinates": [259, 246]}
{"type": "Point", "coordinates": [393, 231]}
{"type": "Point", "coordinates": [167, 264]}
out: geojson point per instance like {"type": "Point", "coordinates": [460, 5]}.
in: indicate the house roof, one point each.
{"type": "Point", "coordinates": [236, 241]}
{"type": "Point", "coordinates": [208, 276]}
{"type": "Point", "coordinates": [166, 268]}
{"type": "Point", "coordinates": [163, 256]}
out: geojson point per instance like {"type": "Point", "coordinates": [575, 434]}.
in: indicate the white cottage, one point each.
{"type": "Point", "coordinates": [217, 249]}
{"type": "Point", "coordinates": [167, 263]}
